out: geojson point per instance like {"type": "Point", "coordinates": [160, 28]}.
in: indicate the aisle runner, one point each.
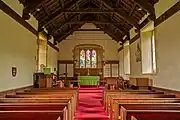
{"type": "Point", "coordinates": [90, 107]}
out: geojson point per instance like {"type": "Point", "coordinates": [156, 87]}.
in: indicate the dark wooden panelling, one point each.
{"type": "Point", "coordinates": [6, 9]}
{"type": "Point", "coordinates": [112, 62]}
{"type": "Point", "coordinates": [65, 61]}
{"type": "Point", "coordinates": [135, 38]}
{"type": "Point", "coordinates": [145, 22]}
{"type": "Point", "coordinates": [53, 46]}
{"type": "Point", "coordinates": [92, 71]}
{"type": "Point", "coordinates": [121, 48]}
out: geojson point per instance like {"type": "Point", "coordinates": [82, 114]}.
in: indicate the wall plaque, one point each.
{"type": "Point", "coordinates": [14, 71]}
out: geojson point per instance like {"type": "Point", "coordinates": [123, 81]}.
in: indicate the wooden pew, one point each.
{"type": "Point", "coordinates": [62, 97]}
{"type": "Point", "coordinates": [118, 92]}
{"type": "Point", "coordinates": [133, 118]}
{"type": "Point", "coordinates": [41, 95]}
{"type": "Point", "coordinates": [32, 115]}
{"type": "Point", "coordinates": [37, 107]}
{"type": "Point", "coordinates": [133, 95]}
{"type": "Point", "coordinates": [144, 114]}
{"type": "Point", "coordinates": [117, 102]}
{"type": "Point", "coordinates": [138, 96]}
{"type": "Point", "coordinates": [5, 102]}
{"type": "Point", "coordinates": [52, 92]}
{"type": "Point", "coordinates": [148, 106]}
{"type": "Point", "coordinates": [33, 99]}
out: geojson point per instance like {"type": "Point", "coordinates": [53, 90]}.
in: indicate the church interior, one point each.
{"type": "Point", "coordinates": [90, 60]}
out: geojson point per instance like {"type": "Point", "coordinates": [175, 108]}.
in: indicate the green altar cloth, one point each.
{"type": "Point", "coordinates": [88, 80]}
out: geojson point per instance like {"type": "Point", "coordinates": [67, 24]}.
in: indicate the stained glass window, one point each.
{"type": "Point", "coordinates": [93, 58]}
{"type": "Point", "coordinates": [82, 59]}
{"type": "Point", "coordinates": [88, 59]}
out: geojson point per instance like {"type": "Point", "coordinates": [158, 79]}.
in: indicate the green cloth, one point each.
{"type": "Point", "coordinates": [88, 80]}
{"type": "Point", "coordinates": [47, 71]}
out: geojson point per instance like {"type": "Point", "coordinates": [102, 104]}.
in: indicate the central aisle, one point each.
{"type": "Point", "coordinates": [90, 106]}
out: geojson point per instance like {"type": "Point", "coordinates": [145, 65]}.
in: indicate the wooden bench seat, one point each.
{"type": "Point", "coordinates": [33, 106]}
{"type": "Point", "coordinates": [54, 98]}
{"type": "Point", "coordinates": [114, 105]}
{"type": "Point", "coordinates": [107, 95]}
{"type": "Point", "coordinates": [37, 106]}
{"type": "Point", "coordinates": [138, 96]}
{"type": "Point", "coordinates": [46, 99]}
{"type": "Point", "coordinates": [152, 106]}
{"type": "Point", "coordinates": [33, 115]}
{"type": "Point", "coordinates": [151, 114]}
{"type": "Point", "coordinates": [135, 95]}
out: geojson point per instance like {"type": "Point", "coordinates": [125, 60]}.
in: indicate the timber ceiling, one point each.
{"type": "Point", "coordinates": [62, 17]}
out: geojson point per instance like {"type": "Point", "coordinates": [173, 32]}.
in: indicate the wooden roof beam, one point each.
{"type": "Point", "coordinates": [57, 13]}
{"type": "Point", "coordinates": [29, 6]}
{"type": "Point", "coordinates": [59, 26]}
{"type": "Point", "coordinates": [91, 11]}
{"type": "Point", "coordinates": [121, 13]}
{"type": "Point", "coordinates": [67, 34]}
{"type": "Point", "coordinates": [89, 21]}
{"type": "Point", "coordinates": [147, 7]}
{"type": "Point", "coordinates": [109, 33]}
{"type": "Point", "coordinates": [62, 3]}
{"type": "Point", "coordinates": [89, 30]}
{"type": "Point", "coordinates": [116, 25]}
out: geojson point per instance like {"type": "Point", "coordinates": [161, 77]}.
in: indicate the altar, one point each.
{"type": "Point", "coordinates": [88, 80]}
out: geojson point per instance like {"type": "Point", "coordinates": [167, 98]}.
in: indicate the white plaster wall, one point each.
{"type": "Point", "coordinates": [135, 66]}
{"type": "Point", "coordinates": [91, 37]}
{"type": "Point", "coordinates": [17, 48]}
{"type": "Point", "coordinates": [52, 57]}
{"type": "Point", "coordinates": [121, 63]}
{"type": "Point", "coordinates": [168, 53]}
{"type": "Point", "coordinates": [164, 5]}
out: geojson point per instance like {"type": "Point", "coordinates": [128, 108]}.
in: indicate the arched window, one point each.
{"type": "Point", "coordinates": [91, 61]}
{"type": "Point", "coordinates": [88, 56]}
{"type": "Point", "coordinates": [88, 59]}
{"type": "Point", "coordinates": [82, 59]}
{"type": "Point", "coordinates": [94, 61]}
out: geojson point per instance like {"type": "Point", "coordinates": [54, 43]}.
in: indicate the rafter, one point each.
{"type": "Point", "coordinates": [121, 29]}
{"type": "Point", "coordinates": [57, 13]}
{"type": "Point", "coordinates": [89, 21]}
{"type": "Point", "coordinates": [62, 3]}
{"type": "Point", "coordinates": [92, 11]}
{"type": "Point", "coordinates": [146, 6]}
{"type": "Point", "coordinates": [120, 12]}
{"type": "Point", "coordinates": [59, 26]}
{"type": "Point", "coordinates": [117, 39]}
{"type": "Point", "coordinates": [89, 30]}
{"type": "Point", "coordinates": [63, 36]}
{"type": "Point", "coordinates": [29, 6]}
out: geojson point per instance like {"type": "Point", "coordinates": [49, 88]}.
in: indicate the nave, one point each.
{"type": "Point", "coordinates": [89, 60]}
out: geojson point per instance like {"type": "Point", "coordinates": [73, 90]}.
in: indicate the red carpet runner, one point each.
{"type": "Point", "coordinates": [90, 105]}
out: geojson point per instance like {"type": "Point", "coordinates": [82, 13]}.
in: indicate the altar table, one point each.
{"type": "Point", "coordinates": [88, 80]}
